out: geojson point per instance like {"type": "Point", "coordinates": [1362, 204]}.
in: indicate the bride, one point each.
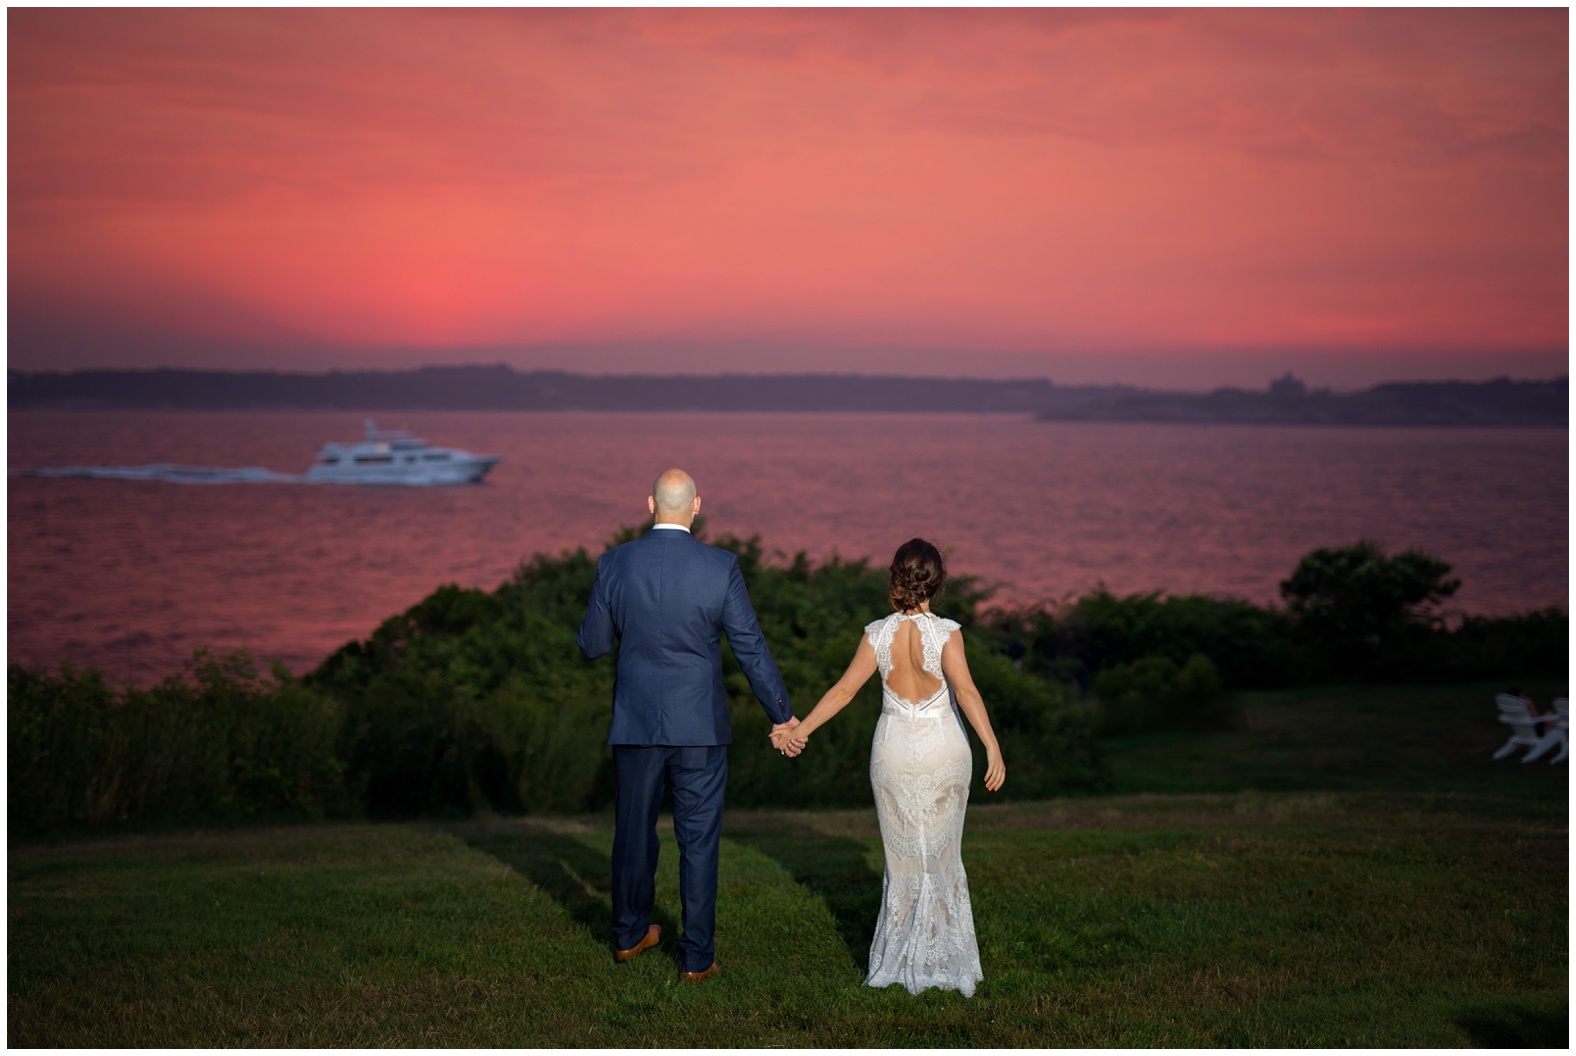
{"type": "Point", "coordinates": [920, 766]}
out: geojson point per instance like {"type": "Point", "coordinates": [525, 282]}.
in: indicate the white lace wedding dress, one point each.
{"type": "Point", "coordinates": [920, 766]}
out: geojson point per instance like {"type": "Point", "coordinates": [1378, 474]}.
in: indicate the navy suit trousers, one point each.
{"type": "Point", "coordinates": [697, 776]}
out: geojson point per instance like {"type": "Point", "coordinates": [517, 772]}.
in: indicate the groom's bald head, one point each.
{"type": "Point", "coordinates": [673, 498]}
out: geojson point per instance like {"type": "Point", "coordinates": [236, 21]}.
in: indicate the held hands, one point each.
{"type": "Point", "coordinates": [788, 744]}
{"type": "Point", "coordinates": [784, 741]}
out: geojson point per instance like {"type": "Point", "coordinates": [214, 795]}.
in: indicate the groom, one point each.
{"type": "Point", "coordinates": [665, 598]}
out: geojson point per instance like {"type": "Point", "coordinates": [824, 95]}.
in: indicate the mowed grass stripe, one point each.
{"type": "Point", "coordinates": [379, 935]}
{"type": "Point", "coordinates": [341, 935]}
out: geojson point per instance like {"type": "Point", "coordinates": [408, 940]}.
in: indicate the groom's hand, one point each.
{"type": "Point", "coordinates": [782, 742]}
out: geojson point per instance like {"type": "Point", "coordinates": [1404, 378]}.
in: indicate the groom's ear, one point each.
{"type": "Point", "coordinates": [651, 505]}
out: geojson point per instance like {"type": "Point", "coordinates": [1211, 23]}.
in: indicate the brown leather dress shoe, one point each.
{"type": "Point", "coordinates": [695, 977]}
{"type": "Point", "coordinates": [653, 936]}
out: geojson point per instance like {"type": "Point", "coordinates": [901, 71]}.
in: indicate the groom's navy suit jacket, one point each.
{"type": "Point", "coordinates": [666, 599]}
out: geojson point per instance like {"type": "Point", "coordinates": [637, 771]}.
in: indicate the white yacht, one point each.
{"type": "Point", "coordinates": [393, 456]}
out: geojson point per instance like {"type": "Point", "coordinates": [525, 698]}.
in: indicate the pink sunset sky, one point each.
{"type": "Point", "coordinates": [1177, 198]}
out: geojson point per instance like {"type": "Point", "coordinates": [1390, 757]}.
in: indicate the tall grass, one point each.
{"type": "Point", "coordinates": [218, 741]}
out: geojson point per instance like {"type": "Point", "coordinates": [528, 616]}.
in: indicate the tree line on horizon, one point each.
{"type": "Point", "coordinates": [1289, 401]}
{"type": "Point", "coordinates": [479, 701]}
{"type": "Point", "coordinates": [1500, 402]}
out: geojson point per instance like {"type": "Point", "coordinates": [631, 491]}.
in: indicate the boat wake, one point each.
{"type": "Point", "coordinates": [172, 473]}
{"type": "Point", "coordinates": [384, 457]}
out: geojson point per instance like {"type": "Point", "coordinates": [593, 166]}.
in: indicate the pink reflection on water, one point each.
{"type": "Point", "coordinates": [131, 576]}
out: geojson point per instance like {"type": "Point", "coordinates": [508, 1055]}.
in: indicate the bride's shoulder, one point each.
{"type": "Point", "coordinates": [875, 625]}
{"type": "Point", "coordinates": [949, 626]}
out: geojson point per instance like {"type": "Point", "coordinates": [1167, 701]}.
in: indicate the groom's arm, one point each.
{"type": "Point", "coordinates": [597, 633]}
{"type": "Point", "coordinates": [749, 648]}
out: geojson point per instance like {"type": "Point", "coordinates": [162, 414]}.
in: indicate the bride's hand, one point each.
{"type": "Point", "coordinates": [785, 742]}
{"type": "Point", "coordinates": [995, 771]}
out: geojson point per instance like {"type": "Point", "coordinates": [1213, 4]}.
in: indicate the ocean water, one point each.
{"type": "Point", "coordinates": [132, 573]}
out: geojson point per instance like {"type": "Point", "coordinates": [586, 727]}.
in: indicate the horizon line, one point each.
{"type": "Point", "coordinates": [673, 376]}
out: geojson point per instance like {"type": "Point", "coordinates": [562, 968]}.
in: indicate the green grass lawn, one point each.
{"type": "Point", "coordinates": [1426, 906]}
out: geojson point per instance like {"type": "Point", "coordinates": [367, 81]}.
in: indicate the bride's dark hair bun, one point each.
{"type": "Point", "coordinates": [917, 574]}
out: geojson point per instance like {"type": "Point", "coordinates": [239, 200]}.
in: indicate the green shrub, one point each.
{"type": "Point", "coordinates": [477, 700]}
{"type": "Point", "coordinates": [1153, 693]}
{"type": "Point", "coordinates": [1352, 614]}
{"type": "Point", "coordinates": [1132, 695]}
{"type": "Point", "coordinates": [1197, 701]}
{"type": "Point", "coordinates": [1522, 646]}
{"type": "Point", "coordinates": [1251, 646]}
{"type": "Point", "coordinates": [1358, 610]}
{"type": "Point", "coordinates": [474, 701]}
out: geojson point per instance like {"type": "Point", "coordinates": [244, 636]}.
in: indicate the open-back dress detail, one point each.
{"type": "Point", "coordinates": [920, 766]}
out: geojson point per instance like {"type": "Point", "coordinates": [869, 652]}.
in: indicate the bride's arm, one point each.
{"type": "Point", "coordinates": [955, 665]}
{"type": "Point", "coordinates": [836, 698]}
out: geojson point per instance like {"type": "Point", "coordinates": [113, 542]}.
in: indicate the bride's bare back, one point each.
{"type": "Point", "coordinates": [908, 677]}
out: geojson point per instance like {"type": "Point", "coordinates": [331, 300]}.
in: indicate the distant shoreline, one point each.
{"type": "Point", "coordinates": [380, 412]}
{"type": "Point", "coordinates": [1501, 402]}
